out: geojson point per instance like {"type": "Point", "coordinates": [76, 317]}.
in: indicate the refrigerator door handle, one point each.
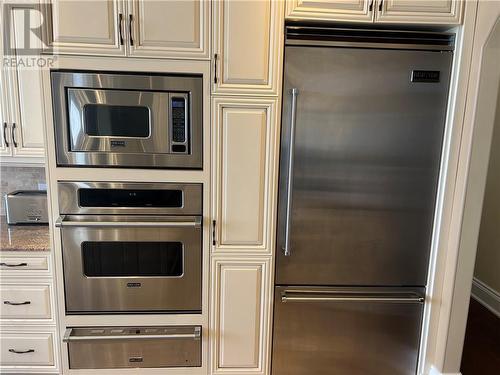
{"type": "Point", "coordinates": [314, 296]}
{"type": "Point", "coordinates": [288, 218]}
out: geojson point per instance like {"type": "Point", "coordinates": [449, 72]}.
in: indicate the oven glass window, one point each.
{"type": "Point", "coordinates": [122, 259]}
{"type": "Point", "coordinates": [116, 121]}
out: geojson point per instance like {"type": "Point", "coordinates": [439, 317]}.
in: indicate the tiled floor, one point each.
{"type": "Point", "coordinates": [481, 355]}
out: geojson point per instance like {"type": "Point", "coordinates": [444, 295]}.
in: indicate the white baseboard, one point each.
{"type": "Point", "coordinates": [435, 371]}
{"type": "Point", "coordinates": [486, 296]}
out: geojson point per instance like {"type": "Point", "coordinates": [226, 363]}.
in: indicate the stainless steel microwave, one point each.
{"type": "Point", "coordinates": [127, 120]}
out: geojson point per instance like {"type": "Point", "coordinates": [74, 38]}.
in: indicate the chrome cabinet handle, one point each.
{"type": "Point", "coordinates": [61, 222]}
{"type": "Point", "coordinates": [5, 135]}
{"type": "Point", "coordinates": [17, 303]}
{"type": "Point", "coordinates": [380, 5]}
{"type": "Point", "coordinates": [23, 264]}
{"type": "Point", "coordinates": [120, 28]}
{"type": "Point", "coordinates": [288, 218]}
{"type": "Point", "coordinates": [343, 297]}
{"type": "Point", "coordinates": [14, 142]}
{"type": "Point", "coordinates": [195, 336]}
{"type": "Point", "coordinates": [216, 56]}
{"type": "Point", "coordinates": [130, 19]}
{"type": "Point", "coordinates": [22, 351]}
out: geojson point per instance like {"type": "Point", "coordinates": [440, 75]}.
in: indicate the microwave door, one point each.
{"type": "Point", "coordinates": [122, 121]}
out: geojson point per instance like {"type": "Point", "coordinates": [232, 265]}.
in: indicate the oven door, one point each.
{"type": "Point", "coordinates": [132, 263]}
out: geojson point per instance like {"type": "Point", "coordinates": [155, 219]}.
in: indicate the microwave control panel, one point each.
{"type": "Point", "coordinates": [179, 128]}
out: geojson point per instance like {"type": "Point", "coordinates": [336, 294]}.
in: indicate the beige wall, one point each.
{"type": "Point", "coordinates": [488, 252]}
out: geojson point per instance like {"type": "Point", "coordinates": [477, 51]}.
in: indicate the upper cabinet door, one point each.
{"type": "Point", "coordinates": [174, 28]}
{"type": "Point", "coordinates": [419, 11]}
{"type": "Point", "coordinates": [247, 46]}
{"type": "Point", "coordinates": [245, 166]}
{"type": "Point", "coordinates": [26, 104]}
{"type": "Point", "coordinates": [330, 10]}
{"type": "Point", "coordinates": [95, 27]}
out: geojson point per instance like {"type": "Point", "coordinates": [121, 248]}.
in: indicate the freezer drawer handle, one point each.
{"type": "Point", "coordinates": [411, 298]}
{"type": "Point", "coordinates": [293, 119]}
{"type": "Point", "coordinates": [61, 222]}
{"type": "Point", "coordinates": [68, 338]}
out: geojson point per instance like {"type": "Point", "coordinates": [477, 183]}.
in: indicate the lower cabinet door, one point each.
{"type": "Point", "coordinates": [26, 349]}
{"type": "Point", "coordinates": [240, 316]}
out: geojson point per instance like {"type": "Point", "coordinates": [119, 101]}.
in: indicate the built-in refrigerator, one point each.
{"type": "Point", "coordinates": [363, 122]}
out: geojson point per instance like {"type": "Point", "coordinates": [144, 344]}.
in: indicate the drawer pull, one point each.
{"type": "Point", "coordinates": [22, 351]}
{"type": "Point", "coordinates": [13, 265]}
{"type": "Point", "coordinates": [16, 303]}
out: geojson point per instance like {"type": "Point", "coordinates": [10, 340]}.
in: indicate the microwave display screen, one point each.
{"type": "Point", "coordinates": [116, 121]}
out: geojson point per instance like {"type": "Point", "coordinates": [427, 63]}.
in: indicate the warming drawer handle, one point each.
{"type": "Point", "coordinates": [288, 218]}
{"type": "Point", "coordinates": [61, 222]}
{"type": "Point", "coordinates": [411, 298]}
{"type": "Point", "coordinates": [194, 336]}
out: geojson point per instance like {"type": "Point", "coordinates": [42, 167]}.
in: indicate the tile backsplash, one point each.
{"type": "Point", "coordinates": [20, 178]}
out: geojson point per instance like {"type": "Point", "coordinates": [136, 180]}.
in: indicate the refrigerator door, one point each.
{"type": "Point", "coordinates": [325, 331]}
{"type": "Point", "coordinates": [358, 186]}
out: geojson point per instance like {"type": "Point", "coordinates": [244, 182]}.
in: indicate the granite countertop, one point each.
{"type": "Point", "coordinates": [23, 237]}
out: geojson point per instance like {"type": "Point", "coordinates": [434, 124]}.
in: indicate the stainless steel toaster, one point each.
{"type": "Point", "coordinates": [27, 207]}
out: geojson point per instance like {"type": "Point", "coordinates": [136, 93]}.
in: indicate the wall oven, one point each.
{"type": "Point", "coordinates": [127, 120]}
{"type": "Point", "coordinates": [131, 247]}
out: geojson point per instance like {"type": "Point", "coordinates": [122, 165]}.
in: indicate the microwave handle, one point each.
{"type": "Point", "coordinates": [61, 222]}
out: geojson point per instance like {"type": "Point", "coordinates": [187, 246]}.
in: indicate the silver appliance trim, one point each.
{"type": "Point", "coordinates": [74, 148]}
{"type": "Point", "coordinates": [301, 35]}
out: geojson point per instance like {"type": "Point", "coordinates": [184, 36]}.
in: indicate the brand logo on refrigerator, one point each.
{"type": "Point", "coordinates": [430, 76]}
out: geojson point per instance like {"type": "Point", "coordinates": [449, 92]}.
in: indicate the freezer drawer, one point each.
{"type": "Point", "coordinates": [340, 331]}
{"type": "Point", "coordinates": [122, 347]}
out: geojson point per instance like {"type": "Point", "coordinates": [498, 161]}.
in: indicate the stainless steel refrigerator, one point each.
{"type": "Point", "coordinates": [363, 121]}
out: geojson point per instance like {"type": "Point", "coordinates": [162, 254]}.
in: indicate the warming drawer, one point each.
{"type": "Point", "coordinates": [122, 347]}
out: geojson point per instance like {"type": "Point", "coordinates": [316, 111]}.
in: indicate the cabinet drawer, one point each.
{"type": "Point", "coordinates": [11, 264]}
{"type": "Point", "coordinates": [25, 301]}
{"type": "Point", "coordinates": [30, 349]}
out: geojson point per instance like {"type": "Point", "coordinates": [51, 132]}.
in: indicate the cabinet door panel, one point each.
{"type": "Point", "coordinates": [85, 27]}
{"type": "Point", "coordinates": [241, 316]}
{"type": "Point", "coordinates": [330, 10]}
{"type": "Point", "coordinates": [244, 139]}
{"type": "Point", "coordinates": [26, 104]}
{"type": "Point", "coordinates": [420, 11]}
{"type": "Point", "coordinates": [248, 40]}
{"type": "Point", "coordinates": [4, 120]}
{"type": "Point", "coordinates": [177, 28]}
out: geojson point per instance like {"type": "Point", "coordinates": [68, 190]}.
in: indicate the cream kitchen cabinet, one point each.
{"type": "Point", "coordinates": [330, 10]}
{"type": "Point", "coordinates": [166, 28]}
{"type": "Point", "coordinates": [22, 110]}
{"type": "Point", "coordinates": [245, 166]}
{"type": "Point", "coordinates": [247, 40]}
{"type": "Point", "coordinates": [241, 315]}
{"type": "Point", "coordinates": [419, 11]}
{"type": "Point", "coordinates": [446, 12]}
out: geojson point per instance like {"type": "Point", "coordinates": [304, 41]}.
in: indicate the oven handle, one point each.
{"type": "Point", "coordinates": [68, 338]}
{"type": "Point", "coordinates": [61, 222]}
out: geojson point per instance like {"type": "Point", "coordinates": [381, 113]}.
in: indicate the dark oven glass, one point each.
{"type": "Point", "coordinates": [130, 198]}
{"type": "Point", "coordinates": [116, 121]}
{"type": "Point", "coordinates": [125, 259]}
